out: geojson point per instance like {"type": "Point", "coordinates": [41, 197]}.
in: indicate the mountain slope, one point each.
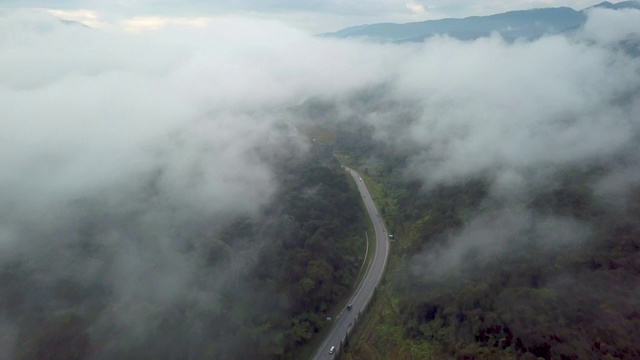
{"type": "Point", "coordinates": [621, 5]}
{"type": "Point", "coordinates": [527, 24]}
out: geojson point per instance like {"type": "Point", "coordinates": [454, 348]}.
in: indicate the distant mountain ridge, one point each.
{"type": "Point", "coordinates": [633, 4]}
{"type": "Point", "coordinates": [527, 24]}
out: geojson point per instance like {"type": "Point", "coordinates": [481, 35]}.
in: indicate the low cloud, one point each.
{"type": "Point", "coordinates": [517, 115]}
{"type": "Point", "coordinates": [597, 29]}
{"type": "Point", "coordinates": [512, 107]}
{"type": "Point", "coordinates": [512, 231]}
{"type": "Point", "coordinates": [122, 159]}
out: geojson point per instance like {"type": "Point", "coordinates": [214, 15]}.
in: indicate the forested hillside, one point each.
{"type": "Point", "coordinates": [551, 273]}
{"type": "Point", "coordinates": [260, 285]}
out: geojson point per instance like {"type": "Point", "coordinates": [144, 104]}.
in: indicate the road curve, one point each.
{"type": "Point", "coordinates": [361, 297]}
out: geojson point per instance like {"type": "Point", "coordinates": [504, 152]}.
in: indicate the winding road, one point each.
{"type": "Point", "coordinates": [344, 322]}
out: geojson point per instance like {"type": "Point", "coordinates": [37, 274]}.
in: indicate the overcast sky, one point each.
{"type": "Point", "coordinates": [311, 15]}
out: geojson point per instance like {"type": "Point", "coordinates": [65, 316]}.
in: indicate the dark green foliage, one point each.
{"type": "Point", "coordinates": [315, 269]}
{"type": "Point", "coordinates": [298, 256]}
{"type": "Point", "coordinates": [576, 301]}
{"type": "Point", "coordinates": [570, 305]}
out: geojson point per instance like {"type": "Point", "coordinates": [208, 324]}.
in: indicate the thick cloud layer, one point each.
{"type": "Point", "coordinates": [123, 156]}
{"type": "Point", "coordinates": [520, 106]}
{"type": "Point", "coordinates": [517, 115]}
{"type": "Point", "coordinates": [141, 140]}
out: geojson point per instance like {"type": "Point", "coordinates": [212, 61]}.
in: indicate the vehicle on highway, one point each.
{"type": "Point", "coordinates": [349, 307]}
{"type": "Point", "coordinates": [365, 289]}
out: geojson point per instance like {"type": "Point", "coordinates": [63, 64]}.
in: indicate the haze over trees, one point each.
{"type": "Point", "coordinates": [175, 194]}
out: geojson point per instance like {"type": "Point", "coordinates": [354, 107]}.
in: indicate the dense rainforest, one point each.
{"type": "Point", "coordinates": [551, 272]}
{"type": "Point", "coordinates": [257, 286]}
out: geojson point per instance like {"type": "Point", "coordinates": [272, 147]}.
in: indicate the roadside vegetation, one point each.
{"type": "Point", "coordinates": [571, 297]}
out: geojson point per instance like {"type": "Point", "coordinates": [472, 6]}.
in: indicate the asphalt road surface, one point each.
{"type": "Point", "coordinates": [361, 297]}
